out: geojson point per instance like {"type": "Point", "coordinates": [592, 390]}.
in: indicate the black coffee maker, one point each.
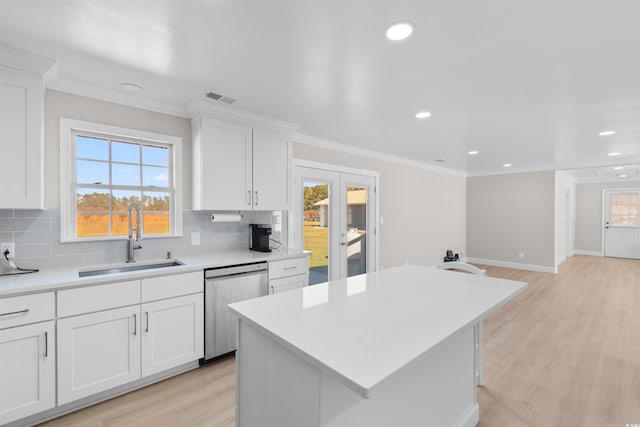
{"type": "Point", "coordinates": [260, 236]}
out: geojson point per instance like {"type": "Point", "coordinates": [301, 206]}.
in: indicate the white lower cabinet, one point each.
{"type": "Point", "coordinates": [27, 370]}
{"type": "Point", "coordinates": [288, 274]}
{"type": "Point", "coordinates": [173, 333]}
{"type": "Point", "coordinates": [97, 351]}
{"type": "Point", "coordinates": [134, 329]}
{"type": "Point", "coordinates": [288, 283]}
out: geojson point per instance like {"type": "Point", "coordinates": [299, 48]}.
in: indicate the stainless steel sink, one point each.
{"type": "Point", "coordinates": [129, 267]}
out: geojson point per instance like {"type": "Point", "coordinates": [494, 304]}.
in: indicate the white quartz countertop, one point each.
{"type": "Point", "coordinates": [364, 329]}
{"type": "Point", "coordinates": [68, 277]}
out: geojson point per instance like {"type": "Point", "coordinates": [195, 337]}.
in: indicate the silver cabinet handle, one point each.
{"type": "Point", "coordinates": [249, 197]}
{"type": "Point", "coordinates": [291, 268]}
{"type": "Point", "coordinates": [46, 344]}
{"type": "Point", "coordinates": [135, 324]}
{"type": "Point", "coordinates": [256, 198]}
{"type": "Point", "coordinates": [146, 313]}
{"type": "Point", "coordinates": [25, 311]}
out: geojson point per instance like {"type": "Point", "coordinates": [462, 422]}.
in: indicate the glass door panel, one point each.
{"type": "Point", "coordinates": [356, 211]}
{"type": "Point", "coordinates": [315, 231]}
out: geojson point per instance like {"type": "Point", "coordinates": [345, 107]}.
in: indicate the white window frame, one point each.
{"type": "Point", "coordinates": [68, 175]}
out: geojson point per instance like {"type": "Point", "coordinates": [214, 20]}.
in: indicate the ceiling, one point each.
{"type": "Point", "coordinates": [525, 82]}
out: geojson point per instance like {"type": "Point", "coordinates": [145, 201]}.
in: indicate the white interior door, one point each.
{"type": "Point", "coordinates": [334, 217]}
{"type": "Point", "coordinates": [622, 223]}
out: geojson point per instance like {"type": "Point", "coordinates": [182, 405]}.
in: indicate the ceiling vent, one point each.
{"type": "Point", "coordinates": [220, 98]}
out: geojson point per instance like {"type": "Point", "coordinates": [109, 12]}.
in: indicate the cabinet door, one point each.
{"type": "Point", "coordinates": [27, 370]}
{"type": "Point", "coordinates": [270, 171]}
{"type": "Point", "coordinates": [222, 166]}
{"type": "Point", "coordinates": [97, 351]}
{"type": "Point", "coordinates": [288, 283]}
{"type": "Point", "coordinates": [21, 140]}
{"type": "Point", "coordinates": [172, 333]}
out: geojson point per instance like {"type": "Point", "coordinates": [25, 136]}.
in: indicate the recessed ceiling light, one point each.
{"type": "Point", "coordinates": [622, 175]}
{"type": "Point", "coordinates": [507, 165]}
{"type": "Point", "coordinates": [617, 168]}
{"type": "Point", "coordinates": [607, 133]}
{"type": "Point", "coordinates": [399, 31]}
{"type": "Point", "coordinates": [423, 115]}
{"type": "Point", "coordinates": [473, 152]}
{"type": "Point", "coordinates": [132, 87]}
{"type": "Point", "coordinates": [614, 154]}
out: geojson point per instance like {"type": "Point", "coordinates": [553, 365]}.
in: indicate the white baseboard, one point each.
{"type": "Point", "coordinates": [516, 265]}
{"type": "Point", "coordinates": [589, 253]}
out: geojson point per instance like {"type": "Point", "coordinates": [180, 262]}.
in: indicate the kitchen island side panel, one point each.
{"type": "Point", "coordinates": [278, 388]}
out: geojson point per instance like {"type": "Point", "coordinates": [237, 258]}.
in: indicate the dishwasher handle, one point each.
{"type": "Point", "coordinates": [235, 269]}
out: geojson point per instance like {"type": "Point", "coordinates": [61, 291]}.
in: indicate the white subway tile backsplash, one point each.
{"type": "Point", "coordinates": [37, 237]}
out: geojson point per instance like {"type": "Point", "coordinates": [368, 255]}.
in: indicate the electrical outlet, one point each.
{"type": "Point", "coordinates": [195, 238]}
{"type": "Point", "coordinates": [521, 255]}
{"type": "Point", "coordinates": [8, 246]}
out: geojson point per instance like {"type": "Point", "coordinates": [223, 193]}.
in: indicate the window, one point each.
{"type": "Point", "coordinates": [105, 169]}
{"type": "Point", "coordinates": [624, 209]}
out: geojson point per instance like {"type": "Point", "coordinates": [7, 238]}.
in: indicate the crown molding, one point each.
{"type": "Point", "coordinates": [25, 61]}
{"type": "Point", "coordinates": [198, 107]}
{"type": "Point", "coordinates": [331, 145]}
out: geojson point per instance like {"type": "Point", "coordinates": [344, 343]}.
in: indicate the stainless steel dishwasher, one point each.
{"type": "Point", "coordinates": [223, 286]}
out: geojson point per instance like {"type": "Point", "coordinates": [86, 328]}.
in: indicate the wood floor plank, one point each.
{"type": "Point", "coordinates": [566, 352]}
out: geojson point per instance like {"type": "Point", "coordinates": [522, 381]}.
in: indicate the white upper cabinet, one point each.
{"type": "Point", "coordinates": [221, 165]}
{"type": "Point", "coordinates": [270, 171]}
{"type": "Point", "coordinates": [21, 129]}
{"type": "Point", "coordinates": [240, 162]}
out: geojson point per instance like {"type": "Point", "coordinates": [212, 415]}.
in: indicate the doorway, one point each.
{"type": "Point", "coordinates": [335, 218]}
{"type": "Point", "coordinates": [621, 232]}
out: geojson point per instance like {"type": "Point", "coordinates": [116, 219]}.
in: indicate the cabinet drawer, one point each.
{"type": "Point", "coordinates": [287, 283]}
{"type": "Point", "coordinates": [26, 309]}
{"type": "Point", "coordinates": [288, 267]}
{"type": "Point", "coordinates": [72, 302]}
{"type": "Point", "coordinates": [157, 288]}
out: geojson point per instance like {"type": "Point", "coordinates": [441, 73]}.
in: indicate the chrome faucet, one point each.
{"type": "Point", "coordinates": [134, 243]}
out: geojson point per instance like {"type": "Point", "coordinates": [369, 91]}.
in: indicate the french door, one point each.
{"type": "Point", "coordinates": [334, 217]}
{"type": "Point", "coordinates": [622, 223]}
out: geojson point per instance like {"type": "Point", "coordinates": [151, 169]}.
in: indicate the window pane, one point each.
{"type": "Point", "coordinates": [155, 176]}
{"type": "Point", "coordinates": [92, 148]}
{"type": "Point", "coordinates": [155, 155]}
{"type": "Point", "coordinates": [156, 223]}
{"type": "Point", "coordinates": [122, 199]}
{"type": "Point", "coordinates": [120, 225]}
{"type": "Point", "coordinates": [157, 202]}
{"type": "Point", "coordinates": [125, 174]}
{"type": "Point", "coordinates": [89, 225]}
{"type": "Point", "coordinates": [88, 172]}
{"type": "Point", "coordinates": [92, 200]}
{"type": "Point", "coordinates": [125, 152]}
{"type": "Point", "coordinates": [624, 209]}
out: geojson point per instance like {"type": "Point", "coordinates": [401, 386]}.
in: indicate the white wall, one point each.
{"type": "Point", "coordinates": [424, 211]}
{"type": "Point", "coordinates": [589, 221]}
{"type": "Point", "coordinates": [509, 214]}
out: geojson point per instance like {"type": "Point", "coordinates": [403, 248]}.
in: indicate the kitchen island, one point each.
{"type": "Point", "coordinates": [395, 347]}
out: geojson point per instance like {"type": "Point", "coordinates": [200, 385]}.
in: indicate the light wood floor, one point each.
{"type": "Point", "coordinates": [566, 352]}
